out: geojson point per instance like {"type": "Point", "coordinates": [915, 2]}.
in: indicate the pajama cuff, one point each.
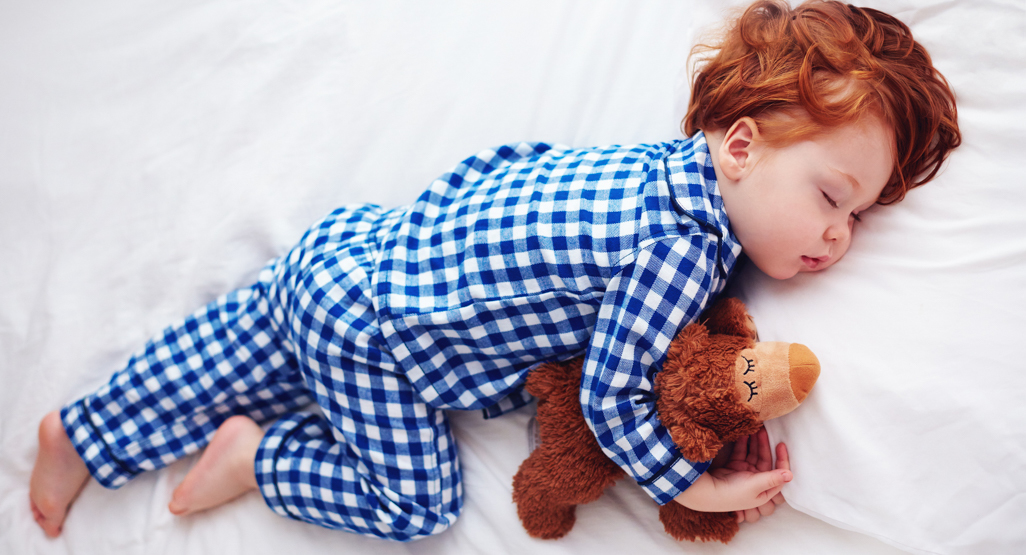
{"type": "Point", "coordinates": [95, 452]}
{"type": "Point", "coordinates": [275, 439]}
{"type": "Point", "coordinates": [665, 485]}
{"type": "Point", "coordinates": [518, 398]}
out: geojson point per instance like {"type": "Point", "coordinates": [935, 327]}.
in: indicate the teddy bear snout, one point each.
{"type": "Point", "coordinates": [804, 370]}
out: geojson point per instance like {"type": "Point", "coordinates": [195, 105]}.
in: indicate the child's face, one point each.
{"type": "Point", "coordinates": [793, 208]}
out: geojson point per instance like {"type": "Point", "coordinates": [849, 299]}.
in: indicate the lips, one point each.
{"type": "Point", "coordinates": [815, 263]}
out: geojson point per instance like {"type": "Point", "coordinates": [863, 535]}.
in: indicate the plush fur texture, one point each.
{"type": "Point", "coordinates": [568, 468]}
{"type": "Point", "coordinates": [697, 397]}
{"type": "Point", "coordinates": [697, 401]}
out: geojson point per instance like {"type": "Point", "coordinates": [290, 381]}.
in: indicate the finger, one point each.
{"type": "Point", "coordinates": [751, 515]}
{"type": "Point", "coordinates": [778, 499]}
{"type": "Point", "coordinates": [768, 495]}
{"type": "Point", "coordinates": [740, 516]}
{"type": "Point", "coordinates": [740, 451]}
{"type": "Point", "coordinates": [765, 456]}
{"type": "Point", "coordinates": [783, 460]}
{"type": "Point", "coordinates": [765, 485]}
{"type": "Point", "coordinates": [766, 509]}
{"type": "Point", "coordinates": [753, 450]}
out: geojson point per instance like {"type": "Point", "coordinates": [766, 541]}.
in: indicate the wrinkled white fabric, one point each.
{"type": "Point", "coordinates": [154, 155]}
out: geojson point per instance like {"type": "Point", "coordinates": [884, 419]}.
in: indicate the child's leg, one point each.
{"type": "Point", "coordinates": [306, 473]}
{"type": "Point", "coordinates": [224, 471]}
{"type": "Point", "coordinates": [389, 471]}
{"type": "Point", "coordinates": [57, 477]}
{"type": "Point", "coordinates": [227, 358]}
{"type": "Point", "coordinates": [376, 459]}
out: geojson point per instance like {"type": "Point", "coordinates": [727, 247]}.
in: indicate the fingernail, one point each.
{"type": "Point", "coordinates": [786, 475]}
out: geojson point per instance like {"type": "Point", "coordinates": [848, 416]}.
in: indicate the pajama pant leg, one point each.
{"type": "Point", "coordinates": [310, 471]}
{"type": "Point", "coordinates": [225, 359]}
{"type": "Point", "coordinates": [374, 460]}
{"type": "Point", "coordinates": [377, 460]}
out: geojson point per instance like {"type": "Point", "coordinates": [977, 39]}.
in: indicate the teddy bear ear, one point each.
{"type": "Point", "coordinates": [730, 317]}
{"type": "Point", "coordinates": [696, 442]}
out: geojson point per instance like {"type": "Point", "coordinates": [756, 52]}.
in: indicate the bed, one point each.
{"type": "Point", "coordinates": [154, 155]}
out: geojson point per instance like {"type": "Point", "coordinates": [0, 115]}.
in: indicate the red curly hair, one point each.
{"type": "Point", "coordinates": [821, 65]}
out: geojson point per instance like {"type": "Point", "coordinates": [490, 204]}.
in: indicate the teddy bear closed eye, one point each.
{"type": "Point", "coordinates": [717, 384]}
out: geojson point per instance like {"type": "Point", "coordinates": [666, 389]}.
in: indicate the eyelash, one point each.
{"type": "Point", "coordinates": [834, 205]}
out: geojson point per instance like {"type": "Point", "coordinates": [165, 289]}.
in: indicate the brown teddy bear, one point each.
{"type": "Point", "coordinates": [716, 385]}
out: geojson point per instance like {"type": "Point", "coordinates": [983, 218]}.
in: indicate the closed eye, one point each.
{"type": "Point", "coordinates": [833, 204]}
{"type": "Point", "coordinates": [751, 366]}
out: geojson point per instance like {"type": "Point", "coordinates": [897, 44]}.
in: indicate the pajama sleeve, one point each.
{"type": "Point", "coordinates": [664, 288]}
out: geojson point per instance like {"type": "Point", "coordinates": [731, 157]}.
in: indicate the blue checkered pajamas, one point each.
{"type": "Point", "coordinates": [388, 318]}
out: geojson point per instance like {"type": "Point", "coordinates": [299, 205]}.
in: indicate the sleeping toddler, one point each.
{"type": "Point", "coordinates": [384, 319]}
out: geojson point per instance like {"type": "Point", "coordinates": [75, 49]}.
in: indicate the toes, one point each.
{"type": "Point", "coordinates": [176, 506]}
{"type": "Point", "coordinates": [50, 528]}
{"type": "Point", "coordinates": [179, 503]}
{"type": "Point", "coordinates": [49, 521]}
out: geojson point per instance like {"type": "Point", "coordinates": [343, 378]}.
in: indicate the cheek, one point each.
{"type": "Point", "coordinates": [840, 250]}
{"type": "Point", "coordinates": [803, 230]}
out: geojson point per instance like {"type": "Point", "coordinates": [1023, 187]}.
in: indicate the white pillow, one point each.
{"type": "Point", "coordinates": [916, 431]}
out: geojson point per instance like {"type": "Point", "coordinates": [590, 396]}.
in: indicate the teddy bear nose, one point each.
{"type": "Point", "coordinates": [804, 370]}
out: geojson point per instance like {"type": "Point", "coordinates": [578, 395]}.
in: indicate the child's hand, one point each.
{"type": "Point", "coordinates": [752, 454]}
{"type": "Point", "coordinates": [746, 484]}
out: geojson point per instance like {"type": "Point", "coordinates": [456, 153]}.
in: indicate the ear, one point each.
{"type": "Point", "coordinates": [729, 317]}
{"type": "Point", "coordinates": [696, 442]}
{"type": "Point", "coordinates": [737, 147]}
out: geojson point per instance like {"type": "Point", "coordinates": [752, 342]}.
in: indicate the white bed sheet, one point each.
{"type": "Point", "coordinates": [155, 155]}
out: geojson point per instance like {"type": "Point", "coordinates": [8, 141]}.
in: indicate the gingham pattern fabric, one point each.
{"type": "Point", "coordinates": [381, 462]}
{"type": "Point", "coordinates": [305, 474]}
{"type": "Point", "coordinates": [170, 398]}
{"type": "Point", "coordinates": [530, 252]}
{"type": "Point", "coordinates": [384, 317]}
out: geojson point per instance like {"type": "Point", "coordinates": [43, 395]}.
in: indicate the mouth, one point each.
{"type": "Point", "coordinates": [815, 263]}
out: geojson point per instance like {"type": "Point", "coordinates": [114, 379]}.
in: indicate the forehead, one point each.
{"type": "Point", "coordinates": [861, 151]}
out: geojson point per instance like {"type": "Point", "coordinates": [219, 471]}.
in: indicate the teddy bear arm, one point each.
{"type": "Point", "coordinates": [569, 467]}
{"type": "Point", "coordinates": [552, 378]}
{"type": "Point", "coordinates": [543, 513]}
{"type": "Point", "coordinates": [567, 470]}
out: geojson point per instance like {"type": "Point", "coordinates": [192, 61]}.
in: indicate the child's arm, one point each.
{"type": "Point", "coordinates": [645, 303]}
{"type": "Point", "coordinates": [747, 483]}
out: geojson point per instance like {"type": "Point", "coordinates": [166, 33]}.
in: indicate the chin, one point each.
{"type": "Point", "coordinates": [781, 273]}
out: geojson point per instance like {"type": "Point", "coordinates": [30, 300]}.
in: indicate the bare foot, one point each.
{"type": "Point", "coordinates": [57, 477]}
{"type": "Point", "coordinates": [224, 471]}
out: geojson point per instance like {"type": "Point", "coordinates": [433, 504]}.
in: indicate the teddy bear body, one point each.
{"type": "Point", "coordinates": [708, 395]}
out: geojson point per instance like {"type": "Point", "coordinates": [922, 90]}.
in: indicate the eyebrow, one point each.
{"type": "Point", "coordinates": [851, 179]}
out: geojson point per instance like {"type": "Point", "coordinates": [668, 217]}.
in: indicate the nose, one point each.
{"type": "Point", "coordinates": [804, 370]}
{"type": "Point", "coordinates": [837, 232]}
